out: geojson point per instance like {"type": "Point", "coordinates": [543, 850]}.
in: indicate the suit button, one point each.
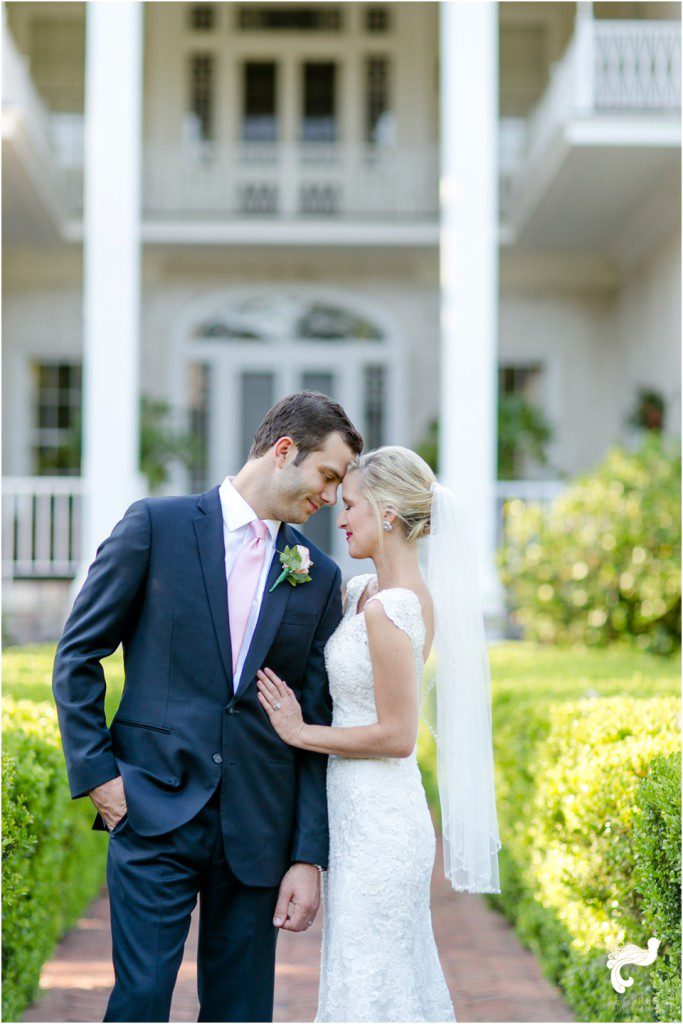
{"type": "Point", "coordinates": [232, 711]}
{"type": "Point", "coordinates": [217, 759]}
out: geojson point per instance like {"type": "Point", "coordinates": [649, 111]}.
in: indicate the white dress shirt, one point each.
{"type": "Point", "coordinates": [237, 515]}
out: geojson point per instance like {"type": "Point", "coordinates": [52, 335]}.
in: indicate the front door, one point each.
{"type": "Point", "coordinates": [255, 351]}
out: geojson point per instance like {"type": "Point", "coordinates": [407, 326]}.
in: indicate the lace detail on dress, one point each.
{"type": "Point", "coordinates": [379, 960]}
{"type": "Point", "coordinates": [405, 611]}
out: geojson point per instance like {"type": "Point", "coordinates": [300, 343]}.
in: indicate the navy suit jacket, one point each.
{"type": "Point", "coordinates": [158, 587]}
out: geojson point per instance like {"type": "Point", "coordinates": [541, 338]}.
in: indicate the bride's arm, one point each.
{"type": "Point", "coordinates": [396, 699]}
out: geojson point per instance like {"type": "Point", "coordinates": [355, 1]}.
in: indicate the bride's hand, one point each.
{"type": "Point", "coordinates": [281, 705]}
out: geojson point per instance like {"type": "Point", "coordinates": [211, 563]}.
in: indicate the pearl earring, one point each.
{"type": "Point", "coordinates": [387, 526]}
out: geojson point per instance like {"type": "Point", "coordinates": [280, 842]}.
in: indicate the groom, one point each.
{"type": "Point", "coordinates": [199, 794]}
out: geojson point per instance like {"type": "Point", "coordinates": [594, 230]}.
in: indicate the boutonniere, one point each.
{"type": "Point", "coordinates": [295, 563]}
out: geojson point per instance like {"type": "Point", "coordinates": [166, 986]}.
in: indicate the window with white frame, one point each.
{"type": "Point", "coordinates": [319, 114]}
{"type": "Point", "coordinates": [379, 127]}
{"type": "Point", "coordinates": [289, 17]}
{"type": "Point", "coordinates": [202, 17]}
{"type": "Point", "coordinates": [200, 119]}
{"type": "Point", "coordinates": [377, 19]}
{"type": "Point", "coordinates": [519, 379]}
{"type": "Point", "coordinates": [522, 425]}
{"type": "Point", "coordinates": [56, 434]}
{"type": "Point", "coordinates": [259, 111]}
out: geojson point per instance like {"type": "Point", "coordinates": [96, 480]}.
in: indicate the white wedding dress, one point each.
{"type": "Point", "coordinates": [379, 960]}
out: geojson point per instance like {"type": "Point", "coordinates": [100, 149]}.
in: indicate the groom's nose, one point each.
{"type": "Point", "coordinates": [329, 495]}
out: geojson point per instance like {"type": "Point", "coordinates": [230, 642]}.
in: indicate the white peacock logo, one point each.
{"type": "Point", "coordinates": [630, 954]}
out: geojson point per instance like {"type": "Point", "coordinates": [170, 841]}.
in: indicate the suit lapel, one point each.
{"type": "Point", "coordinates": [211, 543]}
{"type": "Point", "coordinates": [270, 614]}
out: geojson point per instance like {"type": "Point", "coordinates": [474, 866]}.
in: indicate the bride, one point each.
{"type": "Point", "coordinates": [379, 959]}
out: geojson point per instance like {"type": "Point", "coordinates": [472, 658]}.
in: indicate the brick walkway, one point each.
{"type": "Point", "coordinates": [490, 975]}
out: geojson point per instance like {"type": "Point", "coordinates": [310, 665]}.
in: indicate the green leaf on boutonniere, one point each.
{"type": "Point", "coordinates": [294, 568]}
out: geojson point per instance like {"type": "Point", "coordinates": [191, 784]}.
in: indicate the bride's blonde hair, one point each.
{"type": "Point", "coordinates": [396, 479]}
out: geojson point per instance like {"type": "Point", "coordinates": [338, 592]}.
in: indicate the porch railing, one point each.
{"type": "Point", "coordinates": [542, 491]}
{"type": "Point", "coordinates": [41, 521]}
{"type": "Point", "coordinates": [41, 527]}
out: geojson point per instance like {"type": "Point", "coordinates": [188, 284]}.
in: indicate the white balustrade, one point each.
{"type": "Point", "coordinates": [285, 181]}
{"type": "Point", "coordinates": [608, 67]}
{"type": "Point", "coordinates": [259, 180]}
{"type": "Point", "coordinates": [41, 527]}
{"type": "Point", "coordinates": [541, 491]}
{"type": "Point", "coordinates": [637, 66]}
{"type": "Point", "coordinates": [41, 520]}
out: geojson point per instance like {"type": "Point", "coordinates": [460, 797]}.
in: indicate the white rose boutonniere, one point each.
{"type": "Point", "coordinates": [295, 563]}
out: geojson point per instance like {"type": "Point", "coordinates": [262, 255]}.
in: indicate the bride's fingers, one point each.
{"type": "Point", "coordinates": [276, 685]}
{"type": "Point", "coordinates": [269, 679]}
{"type": "Point", "coordinates": [267, 686]}
{"type": "Point", "coordinates": [266, 704]}
{"type": "Point", "coordinates": [280, 684]}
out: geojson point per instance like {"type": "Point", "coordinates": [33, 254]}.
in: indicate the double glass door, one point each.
{"type": "Point", "coordinates": [229, 394]}
{"type": "Point", "coordinates": [226, 406]}
{"type": "Point", "coordinates": [293, 101]}
{"type": "Point", "coordinates": [257, 393]}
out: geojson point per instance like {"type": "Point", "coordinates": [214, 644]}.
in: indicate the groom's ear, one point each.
{"type": "Point", "coordinates": [284, 450]}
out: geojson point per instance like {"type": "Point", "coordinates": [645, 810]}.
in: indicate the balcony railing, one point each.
{"type": "Point", "coordinates": [284, 181]}
{"type": "Point", "coordinates": [41, 527]}
{"type": "Point", "coordinates": [636, 65]}
{"type": "Point", "coordinates": [615, 67]}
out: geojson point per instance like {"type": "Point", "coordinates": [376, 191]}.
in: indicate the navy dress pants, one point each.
{"type": "Point", "coordinates": [153, 885]}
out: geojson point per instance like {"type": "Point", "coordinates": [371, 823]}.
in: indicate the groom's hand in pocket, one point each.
{"type": "Point", "coordinates": [110, 801]}
{"type": "Point", "coordinates": [299, 898]}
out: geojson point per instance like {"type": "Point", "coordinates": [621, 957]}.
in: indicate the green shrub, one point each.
{"type": "Point", "coordinates": [539, 764]}
{"type": "Point", "coordinates": [657, 876]}
{"type": "Point", "coordinates": [52, 860]}
{"type": "Point", "coordinates": [603, 561]}
{"type": "Point", "coordinates": [53, 863]}
{"type": "Point", "coordinates": [568, 777]}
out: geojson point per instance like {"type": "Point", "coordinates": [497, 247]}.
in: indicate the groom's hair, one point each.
{"type": "Point", "coordinates": [308, 417]}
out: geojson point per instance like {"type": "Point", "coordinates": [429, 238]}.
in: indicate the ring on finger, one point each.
{"type": "Point", "coordinates": [277, 705]}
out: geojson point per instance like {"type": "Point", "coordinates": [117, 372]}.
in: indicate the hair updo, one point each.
{"type": "Point", "coordinates": [396, 479]}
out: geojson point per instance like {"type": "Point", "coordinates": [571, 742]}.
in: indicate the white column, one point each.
{"type": "Point", "coordinates": [111, 266]}
{"type": "Point", "coordinates": [583, 44]}
{"type": "Point", "coordinates": [469, 269]}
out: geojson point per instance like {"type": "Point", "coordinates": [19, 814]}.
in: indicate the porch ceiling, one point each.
{"type": "Point", "coordinates": [583, 193]}
{"type": "Point", "coordinates": [29, 212]}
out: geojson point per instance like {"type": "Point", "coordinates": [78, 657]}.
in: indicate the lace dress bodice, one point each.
{"type": "Point", "coordinates": [379, 960]}
{"type": "Point", "coordinates": [347, 655]}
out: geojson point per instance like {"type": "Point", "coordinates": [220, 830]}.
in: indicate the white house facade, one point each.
{"type": "Point", "coordinates": [416, 208]}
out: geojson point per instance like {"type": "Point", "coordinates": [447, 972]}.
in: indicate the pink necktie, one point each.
{"type": "Point", "coordinates": [243, 582]}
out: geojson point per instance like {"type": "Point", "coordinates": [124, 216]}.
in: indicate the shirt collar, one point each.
{"type": "Point", "coordinates": [238, 513]}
